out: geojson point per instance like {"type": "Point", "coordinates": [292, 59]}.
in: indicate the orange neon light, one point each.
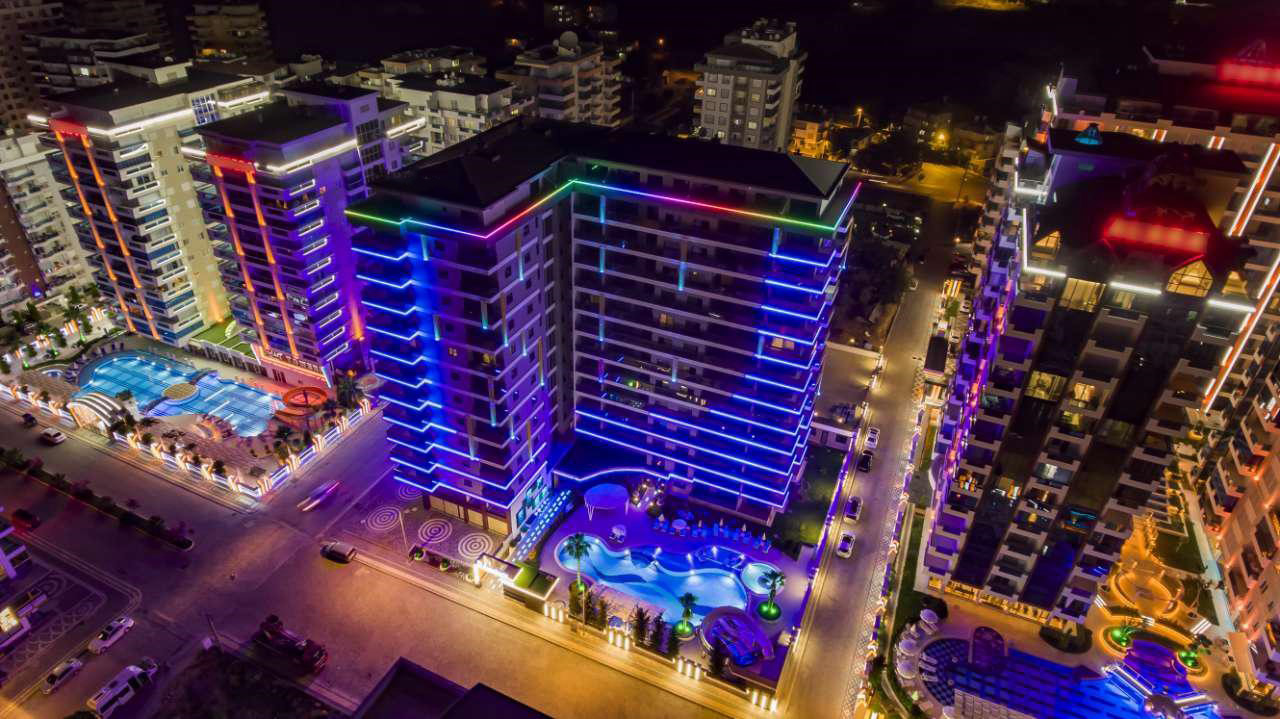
{"type": "Point", "coordinates": [235, 241]}
{"type": "Point", "coordinates": [271, 260]}
{"type": "Point", "coordinates": [1256, 189]}
{"type": "Point", "coordinates": [97, 239]}
{"type": "Point", "coordinates": [124, 249]}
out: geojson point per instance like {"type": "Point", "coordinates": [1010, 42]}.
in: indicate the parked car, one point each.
{"type": "Point", "coordinates": [318, 496]}
{"type": "Point", "coordinates": [873, 437]}
{"type": "Point", "coordinates": [24, 519]}
{"type": "Point", "coordinates": [110, 634]}
{"type": "Point", "coordinates": [306, 654]}
{"type": "Point", "coordinates": [28, 420]}
{"type": "Point", "coordinates": [864, 461]}
{"type": "Point", "coordinates": [845, 547]}
{"type": "Point", "coordinates": [52, 436]}
{"type": "Point", "coordinates": [340, 552]}
{"type": "Point", "coordinates": [123, 688]}
{"type": "Point", "coordinates": [853, 509]}
{"type": "Point", "coordinates": [913, 285]}
{"type": "Point", "coordinates": [60, 674]}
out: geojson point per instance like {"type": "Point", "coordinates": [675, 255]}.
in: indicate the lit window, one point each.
{"type": "Point", "coordinates": [1193, 279]}
{"type": "Point", "coordinates": [1043, 385]}
{"type": "Point", "coordinates": [1081, 295]}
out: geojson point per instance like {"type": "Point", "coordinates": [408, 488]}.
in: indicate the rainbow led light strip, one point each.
{"type": "Point", "coordinates": [839, 225]}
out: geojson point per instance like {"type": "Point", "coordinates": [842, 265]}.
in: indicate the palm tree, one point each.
{"type": "Point", "coordinates": [774, 580]}
{"type": "Point", "coordinates": [577, 547]}
{"type": "Point", "coordinates": [687, 602]}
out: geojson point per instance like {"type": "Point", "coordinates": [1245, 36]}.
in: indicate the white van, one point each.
{"type": "Point", "coordinates": [124, 687]}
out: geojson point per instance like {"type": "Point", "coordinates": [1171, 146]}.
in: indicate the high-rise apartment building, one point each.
{"type": "Point", "coordinates": [232, 28]}
{"type": "Point", "coordinates": [64, 60]}
{"type": "Point", "coordinates": [455, 106]}
{"type": "Point", "coordinates": [124, 16]}
{"type": "Point", "coordinates": [748, 87]}
{"type": "Point", "coordinates": [42, 256]}
{"type": "Point", "coordinates": [281, 177]}
{"type": "Point", "coordinates": [1108, 299]}
{"type": "Point", "coordinates": [18, 20]}
{"type": "Point", "coordinates": [667, 299]}
{"type": "Point", "coordinates": [136, 211]}
{"type": "Point", "coordinates": [1177, 95]}
{"type": "Point", "coordinates": [570, 80]}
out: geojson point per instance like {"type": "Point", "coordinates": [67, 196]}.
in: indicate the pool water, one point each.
{"type": "Point", "coordinates": [659, 579]}
{"type": "Point", "coordinates": [247, 409]}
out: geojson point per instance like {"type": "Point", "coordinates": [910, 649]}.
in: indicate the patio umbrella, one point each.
{"type": "Point", "coordinates": [929, 616]}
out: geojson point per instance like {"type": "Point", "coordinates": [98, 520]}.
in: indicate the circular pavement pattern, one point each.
{"type": "Point", "coordinates": [407, 493]}
{"type": "Point", "coordinates": [474, 544]}
{"type": "Point", "coordinates": [382, 519]}
{"type": "Point", "coordinates": [435, 530]}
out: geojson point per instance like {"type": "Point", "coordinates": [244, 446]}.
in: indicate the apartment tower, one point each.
{"type": "Point", "coordinates": [748, 87]}
{"type": "Point", "coordinates": [279, 179]}
{"type": "Point", "coordinates": [665, 300]}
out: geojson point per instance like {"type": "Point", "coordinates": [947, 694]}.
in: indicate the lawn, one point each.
{"type": "Point", "coordinates": [1179, 552]}
{"type": "Point", "coordinates": [803, 520]}
{"type": "Point", "coordinates": [218, 685]}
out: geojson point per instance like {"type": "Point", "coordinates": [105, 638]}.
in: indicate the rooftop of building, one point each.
{"type": "Point", "coordinates": [385, 105]}
{"type": "Point", "coordinates": [1161, 194]}
{"type": "Point", "coordinates": [744, 52]}
{"type": "Point", "coordinates": [89, 34]}
{"type": "Point", "coordinates": [446, 51]}
{"type": "Point", "coordinates": [245, 67]}
{"type": "Point", "coordinates": [128, 91]}
{"type": "Point", "coordinates": [489, 166]}
{"type": "Point", "coordinates": [329, 90]}
{"type": "Point", "coordinates": [149, 60]}
{"type": "Point", "coordinates": [276, 124]}
{"type": "Point", "coordinates": [566, 47]}
{"type": "Point", "coordinates": [1129, 146]}
{"type": "Point", "coordinates": [408, 689]}
{"type": "Point", "coordinates": [767, 29]}
{"type": "Point", "coordinates": [452, 82]}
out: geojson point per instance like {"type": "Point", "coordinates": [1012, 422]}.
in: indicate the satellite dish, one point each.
{"type": "Point", "coordinates": [569, 39]}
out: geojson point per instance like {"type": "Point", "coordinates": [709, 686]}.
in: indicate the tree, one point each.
{"type": "Point", "coordinates": [774, 580]}
{"type": "Point", "coordinates": [44, 395]}
{"type": "Point", "coordinates": [657, 632]}
{"type": "Point", "coordinates": [146, 438]}
{"type": "Point", "coordinates": [577, 547]}
{"type": "Point", "coordinates": [219, 467]}
{"type": "Point", "coordinates": [124, 395]}
{"type": "Point", "coordinates": [639, 625]}
{"type": "Point", "coordinates": [687, 602]}
{"type": "Point", "coordinates": [283, 432]}
{"type": "Point", "coordinates": [347, 392]}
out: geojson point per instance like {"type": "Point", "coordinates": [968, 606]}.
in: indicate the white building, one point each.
{"type": "Point", "coordinates": [136, 212]}
{"type": "Point", "coordinates": [570, 80]}
{"type": "Point", "coordinates": [456, 106]}
{"type": "Point", "coordinates": [748, 87]}
{"type": "Point", "coordinates": [42, 255]}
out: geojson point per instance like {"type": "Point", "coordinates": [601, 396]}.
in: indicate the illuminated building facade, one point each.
{"type": "Point", "coordinates": [278, 180]}
{"type": "Point", "coordinates": [1231, 103]}
{"type": "Point", "coordinates": [135, 210]}
{"type": "Point", "coordinates": [667, 300]}
{"type": "Point", "coordinates": [570, 80]}
{"type": "Point", "coordinates": [1108, 298]}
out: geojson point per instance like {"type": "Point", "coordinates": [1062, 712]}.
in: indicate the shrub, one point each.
{"type": "Point", "coordinates": [4, 366]}
{"type": "Point", "coordinates": [719, 659]}
{"type": "Point", "coordinates": [657, 633]}
{"type": "Point", "coordinates": [673, 644]}
{"type": "Point", "coordinates": [1078, 642]}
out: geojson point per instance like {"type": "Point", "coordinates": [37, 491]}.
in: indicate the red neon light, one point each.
{"type": "Point", "coordinates": [67, 127]}
{"type": "Point", "coordinates": [229, 163]}
{"type": "Point", "coordinates": [1163, 237]}
{"type": "Point", "coordinates": [1245, 74]}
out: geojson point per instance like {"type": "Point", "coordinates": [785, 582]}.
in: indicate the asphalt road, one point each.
{"type": "Point", "coordinates": [831, 660]}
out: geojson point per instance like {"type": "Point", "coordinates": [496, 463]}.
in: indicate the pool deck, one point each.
{"type": "Point", "coordinates": [225, 371]}
{"type": "Point", "coordinates": [640, 533]}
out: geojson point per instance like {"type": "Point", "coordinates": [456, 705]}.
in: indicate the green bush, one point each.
{"type": "Point", "coordinates": [1077, 643]}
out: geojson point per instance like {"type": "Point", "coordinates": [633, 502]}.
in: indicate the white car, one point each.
{"type": "Point", "coordinates": [873, 437]}
{"type": "Point", "coordinates": [845, 547]}
{"type": "Point", "coordinates": [123, 688]}
{"type": "Point", "coordinates": [60, 674]}
{"type": "Point", "coordinates": [52, 436]}
{"type": "Point", "coordinates": [110, 634]}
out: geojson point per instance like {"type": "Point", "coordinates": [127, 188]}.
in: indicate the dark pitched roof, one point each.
{"type": "Point", "coordinates": [464, 84]}
{"type": "Point", "coordinates": [476, 173]}
{"type": "Point", "coordinates": [276, 124]}
{"type": "Point", "coordinates": [126, 92]}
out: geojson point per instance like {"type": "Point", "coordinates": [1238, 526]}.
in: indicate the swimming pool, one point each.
{"type": "Point", "coordinates": [146, 376]}
{"type": "Point", "coordinates": [660, 578]}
